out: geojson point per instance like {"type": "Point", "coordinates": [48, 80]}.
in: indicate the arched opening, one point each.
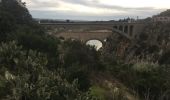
{"type": "Point", "coordinates": [121, 28]}
{"type": "Point", "coordinates": [96, 43]}
{"type": "Point", "coordinates": [126, 29]}
{"type": "Point", "coordinates": [115, 27]}
{"type": "Point", "coordinates": [131, 30]}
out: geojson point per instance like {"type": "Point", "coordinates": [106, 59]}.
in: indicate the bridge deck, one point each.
{"type": "Point", "coordinates": [91, 23]}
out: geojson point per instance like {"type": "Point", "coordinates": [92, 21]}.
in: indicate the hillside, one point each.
{"type": "Point", "coordinates": [165, 13]}
{"type": "Point", "coordinates": [37, 66]}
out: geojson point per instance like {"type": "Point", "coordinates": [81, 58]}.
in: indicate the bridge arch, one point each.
{"type": "Point", "coordinates": [121, 27]}
{"type": "Point", "coordinates": [95, 42]}
{"type": "Point", "coordinates": [116, 27]}
{"type": "Point", "coordinates": [131, 30]}
{"type": "Point", "coordinates": [126, 29]}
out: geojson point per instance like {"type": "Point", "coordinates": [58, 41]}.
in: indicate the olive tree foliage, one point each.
{"type": "Point", "coordinates": [20, 13]}
{"type": "Point", "coordinates": [7, 24]}
{"type": "Point", "coordinates": [17, 24]}
{"type": "Point", "coordinates": [24, 76]}
{"type": "Point", "coordinates": [16, 20]}
{"type": "Point", "coordinates": [12, 14]}
{"type": "Point", "coordinates": [79, 60]}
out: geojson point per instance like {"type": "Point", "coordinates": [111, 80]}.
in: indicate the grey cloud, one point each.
{"type": "Point", "coordinates": [130, 12]}
{"type": "Point", "coordinates": [96, 4]}
{"type": "Point", "coordinates": [82, 2]}
{"type": "Point", "coordinates": [92, 3]}
{"type": "Point", "coordinates": [43, 4]}
{"type": "Point", "coordinates": [81, 16]}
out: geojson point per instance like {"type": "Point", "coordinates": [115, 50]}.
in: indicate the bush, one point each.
{"type": "Point", "coordinates": [148, 79]}
{"type": "Point", "coordinates": [24, 76]}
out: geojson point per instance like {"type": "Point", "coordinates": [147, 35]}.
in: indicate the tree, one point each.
{"type": "Point", "coordinates": [25, 76]}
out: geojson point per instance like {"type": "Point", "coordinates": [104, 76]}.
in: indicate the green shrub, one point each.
{"type": "Point", "coordinates": [144, 77]}
{"type": "Point", "coordinates": [25, 76]}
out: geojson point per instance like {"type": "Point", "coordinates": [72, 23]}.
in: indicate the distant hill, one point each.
{"type": "Point", "coordinates": [165, 13]}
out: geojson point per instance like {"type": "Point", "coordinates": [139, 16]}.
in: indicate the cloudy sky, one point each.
{"type": "Point", "coordinates": [95, 9]}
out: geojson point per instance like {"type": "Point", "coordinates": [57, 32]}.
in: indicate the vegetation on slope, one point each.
{"type": "Point", "coordinates": [37, 66]}
{"type": "Point", "coordinates": [165, 13]}
{"type": "Point", "coordinates": [143, 67]}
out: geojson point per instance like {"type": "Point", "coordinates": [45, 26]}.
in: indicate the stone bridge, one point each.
{"type": "Point", "coordinates": [85, 31]}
